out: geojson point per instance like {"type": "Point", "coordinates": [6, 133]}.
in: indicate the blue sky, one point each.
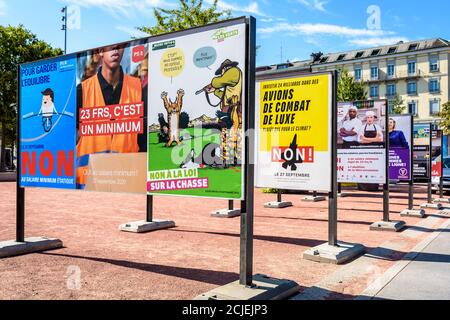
{"type": "Point", "coordinates": [286, 29]}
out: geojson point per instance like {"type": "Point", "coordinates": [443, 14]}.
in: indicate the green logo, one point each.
{"type": "Point", "coordinates": [163, 45]}
{"type": "Point", "coordinates": [221, 34]}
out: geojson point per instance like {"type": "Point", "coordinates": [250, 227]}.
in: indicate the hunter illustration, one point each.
{"type": "Point", "coordinates": [227, 86]}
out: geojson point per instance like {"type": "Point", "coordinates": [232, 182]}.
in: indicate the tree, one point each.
{"type": "Point", "coordinates": [445, 116]}
{"type": "Point", "coordinates": [190, 14]}
{"type": "Point", "coordinates": [396, 105]}
{"type": "Point", "coordinates": [349, 89]}
{"type": "Point", "coordinates": [17, 45]}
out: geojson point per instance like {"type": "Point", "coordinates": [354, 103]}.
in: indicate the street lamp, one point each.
{"type": "Point", "coordinates": [64, 27]}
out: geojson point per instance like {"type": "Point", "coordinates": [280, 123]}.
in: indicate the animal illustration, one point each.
{"type": "Point", "coordinates": [173, 116]}
{"type": "Point", "coordinates": [294, 159]}
{"type": "Point", "coordinates": [210, 157]}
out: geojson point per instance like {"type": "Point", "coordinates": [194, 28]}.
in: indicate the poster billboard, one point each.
{"type": "Point", "coordinates": [96, 121]}
{"type": "Point", "coordinates": [48, 116]}
{"type": "Point", "coordinates": [361, 142]}
{"type": "Point", "coordinates": [400, 147]}
{"type": "Point", "coordinates": [111, 105]}
{"type": "Point", "coordinates": [436, 155]}
{"type": "Point", "coordinates": [421, 154]}
{"type": "Point", "coordinates": [293, 122]}
{"type": "Point", "coordinates": [196, 114]}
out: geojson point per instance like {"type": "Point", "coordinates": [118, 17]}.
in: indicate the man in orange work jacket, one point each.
{"type": "Point", "coordinates": [110, 86]}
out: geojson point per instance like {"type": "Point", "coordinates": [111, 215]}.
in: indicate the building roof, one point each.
{"type": "Point", "coordinates": [397, 48]}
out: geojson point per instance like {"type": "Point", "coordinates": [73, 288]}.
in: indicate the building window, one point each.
{"type": "Point", "coordinates": [391, 89]}
{"type": "Point", "coordinates": [412, 87]}
{"type": "Point", "coordinates": [392, 50]}
{"type": "Point", "coordinates": [359, 54]}
{"type": "Point", "coordinates": [412, 108]}
{"type": "Point", "coordinates": [434, 107]}
{"type": "Point", "coordinates": [358, 74]}
{"type": "Point", "coordinates": [412, 67]}
{"type": "Point", "coordinates": [391, 70]}
{"type": "Point", "coordinates": [374, 72]}
{"type": "Point", "coordinates": [374, 91]}
{"type": "Point", "coordinates": [434, 64]}
{"type": "Point", "coordinates": [341, 57]}
{"type": "Point", "coordinates": [413, 47]}
{"type": "Point", "coordinates": [375, 52]}
{"type": "Point", "coordinates": [434, 86]}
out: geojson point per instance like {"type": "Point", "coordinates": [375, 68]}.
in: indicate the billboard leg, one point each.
{"type": "Point", "coordinates": [410, 212]}
{"type": "Point", "coordinates": [334, 251]}
{"type": "Point", "coordinates": [249, 287]}
{"type": "Point", "coordinates": [314, 198]}
{"type": "Point", "coordinates": [430, 204]}
{"type": "Point", "coordinates": [441, 198]}
{"type": "Point", "coordinates": [227, 213]}
{"type": "Point", "coordinates": [386, 224]}
{"type": "Point", "coordinates": [24, 245]}
{"type": "Point", "coordinates": [149, 224]}
{"type": "Point", "coordinates": [20, 214]}
{"type": "Point", "coordinates": [279, 204]}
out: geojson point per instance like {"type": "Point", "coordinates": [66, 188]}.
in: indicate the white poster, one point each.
{"type": "Point", "coordinates": [361, 142]}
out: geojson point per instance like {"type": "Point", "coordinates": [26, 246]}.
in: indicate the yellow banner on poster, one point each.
{"type": "Point", "coordinates": [295, 106]}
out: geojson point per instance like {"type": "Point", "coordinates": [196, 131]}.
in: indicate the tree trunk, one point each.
{"type": "Point", "coordinates": [2, 148]}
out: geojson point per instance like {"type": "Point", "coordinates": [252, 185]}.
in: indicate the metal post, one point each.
{"type": "Point", "coordinates": [65, 30]}
{"type": "Point", "coordinates": [411, 195]}
{"type": "Point", "coordinates": [411, 169]}
{"type": "Point", "coordinates": [441, 187]}
{"type": "Point", "coordinates": [246, 234]}
{"type": "Point", "coordinates": [386, 184]}
{"type": "Point", "coordinates": [149, 217]}
{"type": "Point", "coordinates": [386, 202]}
{"type": "Point", "coordinates": [430, 163]}
{"type": "Point", "coordinates": [279, 196]}
{"type": "Point", "coordinates": [243, 206]}
{"type": "Point", "coordinates": [339, 186]}
{"type": "Point", "coordinates": [230, 205]}
{"type": "Point", "coordinates": [20, 192]}
{"type": "Point", "coordinates": [332, 196]}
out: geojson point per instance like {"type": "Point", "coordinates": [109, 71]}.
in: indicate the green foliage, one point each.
{"type": "Point", "coordinates": [17, 45]}
{"type": "Point", "coordinates": [269, 190]}
{"type": "Point", "coordinates": [190, 14]}
{"type": "Point", "coordinates": [396, 105]}
{"type": "Point", "coordinates": [349, 89]}
{"type": "Point", "coordinates": [445, 115]}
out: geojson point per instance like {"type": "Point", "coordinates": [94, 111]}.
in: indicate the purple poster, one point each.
{"type": "Point", "coordinates": [400, 136]}
{"type": "Point", "coordinates": [399, 164]}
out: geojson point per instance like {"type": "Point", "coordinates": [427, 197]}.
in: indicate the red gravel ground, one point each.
{"type": "Point", "coordinates": [201, 253]}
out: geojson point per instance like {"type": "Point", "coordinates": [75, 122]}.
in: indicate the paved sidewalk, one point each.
{"type": "Point", "coordinates": [427, 277]}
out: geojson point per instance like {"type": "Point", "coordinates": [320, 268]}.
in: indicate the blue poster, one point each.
{"type": "Point", "coordinates": [48, 123]}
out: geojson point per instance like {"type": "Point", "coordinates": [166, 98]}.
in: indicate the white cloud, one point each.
{"type": "Point", "coordinates": [376, 42]}
{"type": "Point", "coordinates": [251, 8]}
{"type": "Point", "coordinates": [321, 29]}
{"type": "Point", "coordinates": [314, 4]}
{"type": "Point", "coordinates": [132, 32]}
{"type": "Point", "coordinates": [119, 8]}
